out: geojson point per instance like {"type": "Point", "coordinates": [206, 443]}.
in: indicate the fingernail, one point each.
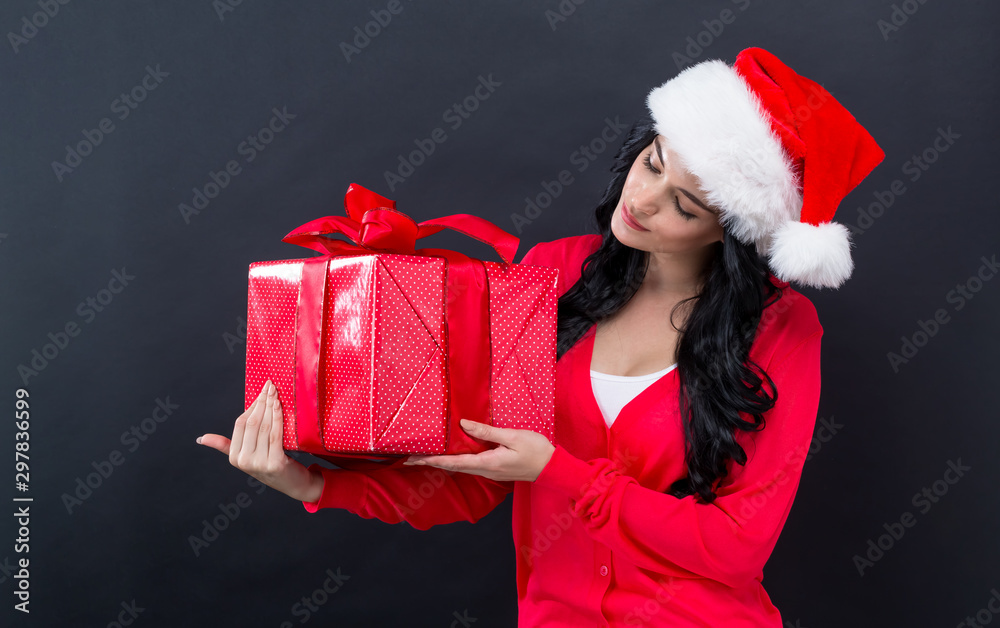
{"type": "Point", "coordinates": [198, 440]}
{"type": "Point", "coordinates": [270, 389]}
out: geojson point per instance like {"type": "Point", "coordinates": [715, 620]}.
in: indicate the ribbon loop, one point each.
{"type": "Point", "coordinates": [388, 230]}
{"type": "Point", "coordinates": [373, 224]}
{"type": "Point", "coordinates": [358, 200]}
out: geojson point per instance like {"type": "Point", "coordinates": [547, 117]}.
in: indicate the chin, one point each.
{"type": "Point", "coordinates": [621, 231]}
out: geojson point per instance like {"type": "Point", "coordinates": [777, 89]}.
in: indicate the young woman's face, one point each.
{"type": "Point", "coordinates": [667, 203]}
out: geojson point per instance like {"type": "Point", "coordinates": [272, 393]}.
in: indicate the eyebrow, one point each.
{"type": "Point", "coordinates": [656, 143]}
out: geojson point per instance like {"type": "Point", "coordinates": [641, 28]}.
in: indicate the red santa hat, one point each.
{"type": "Point", "coordinates": [776, 153]}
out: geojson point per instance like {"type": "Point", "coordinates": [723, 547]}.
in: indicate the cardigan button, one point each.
{"type": "Point", "coordinates": [604, 570]}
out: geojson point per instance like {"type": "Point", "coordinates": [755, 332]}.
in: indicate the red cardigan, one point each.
{"type": "Point", "coordinates": [598, 541]}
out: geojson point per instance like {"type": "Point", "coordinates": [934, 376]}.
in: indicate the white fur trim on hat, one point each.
{"type": "Point", "coordinates": [815, 255]}
{"type": "Point", "coordinates": [722, 133]}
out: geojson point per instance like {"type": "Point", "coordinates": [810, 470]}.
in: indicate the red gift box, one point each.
{"type": "Point", "coordinates": [377, 349]}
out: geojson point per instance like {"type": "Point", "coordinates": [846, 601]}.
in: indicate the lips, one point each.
{"type": "Point", "coordinates": [629, 220]}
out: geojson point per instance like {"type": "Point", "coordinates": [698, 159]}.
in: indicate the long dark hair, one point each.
{"type": "Point", "coordinates": [718, 381]}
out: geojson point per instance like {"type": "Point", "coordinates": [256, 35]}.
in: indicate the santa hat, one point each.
{"type": "Point", "coordinates": [776, 153]}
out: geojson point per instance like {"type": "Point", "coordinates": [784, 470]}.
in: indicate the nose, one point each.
{"type": "Point", "coordinates": [644, 202]}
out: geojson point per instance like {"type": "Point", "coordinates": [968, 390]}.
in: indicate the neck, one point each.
{"type": "Point", "coordinates": [672, 274]}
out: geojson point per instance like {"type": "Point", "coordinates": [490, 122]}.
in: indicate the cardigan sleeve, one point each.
{"type": "Point", "coordinates": [423, 497]}
{"type": "Point", "coordinates": [730, 539]}
{"type": "Point", "coordinates": [531, 257]}
{"type": "Point", "coordinates": [568, 255]}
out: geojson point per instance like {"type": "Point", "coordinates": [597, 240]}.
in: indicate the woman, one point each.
{"type": "Point", "coordinates": [688, 377]}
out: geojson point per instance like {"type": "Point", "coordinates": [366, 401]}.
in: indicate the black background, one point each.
{"type": "Point", "coordinates": [165, 334]}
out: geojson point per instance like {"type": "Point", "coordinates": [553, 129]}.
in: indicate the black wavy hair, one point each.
{"type": "Point", "coordinates": [718, 381]}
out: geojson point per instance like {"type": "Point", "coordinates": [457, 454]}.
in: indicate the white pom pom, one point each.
{"type": "Point", "coordinates": [817, 256]}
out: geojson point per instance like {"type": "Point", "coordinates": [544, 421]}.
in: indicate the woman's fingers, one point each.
{"type": "Point", "coordinates": [219, 442]}
{"type": "Point", "coordinates": [275, 447]}
{"type": "Point", "coordinates": [240, 427]}
{"type": "Point", "coordinates": [215, 441]}
{"type": "Point", "coordinates": [257, 448]}
{"type": "Point", "coordinates": [266, 426]}
{"type": "Point", "coordinates": [253, 424]}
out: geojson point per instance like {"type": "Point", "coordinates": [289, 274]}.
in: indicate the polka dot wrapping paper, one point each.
{"type": "Point", "coordinates": [394, 350]}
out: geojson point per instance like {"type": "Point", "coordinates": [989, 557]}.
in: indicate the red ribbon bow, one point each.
{"type": "Point", "coordinates": [375, 225]}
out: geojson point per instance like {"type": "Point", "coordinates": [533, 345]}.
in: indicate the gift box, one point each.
{"type": "Point", "coordinates": [377, 349]}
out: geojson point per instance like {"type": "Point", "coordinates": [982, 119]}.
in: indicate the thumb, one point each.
{"type": "Point", "coordinates": [215, 441]}
{"type": "Point", "coordinates": [485, 432]}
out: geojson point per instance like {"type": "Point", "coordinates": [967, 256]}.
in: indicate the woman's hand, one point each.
{"type": "Point", "coordinates": [256, 449]}
{"type": "Point", "coordinates": [522, 454]}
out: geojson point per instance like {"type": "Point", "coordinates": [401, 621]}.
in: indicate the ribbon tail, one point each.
{"type": "Point", "coordinates": [475, 227]}
{"type": "Point", "coordinates": [310, 235]}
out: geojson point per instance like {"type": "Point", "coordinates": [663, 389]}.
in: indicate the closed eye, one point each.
{"type": "Point", "coordinates": [683, 213]}
{"type": "Point", "coordinates": [677, 203]}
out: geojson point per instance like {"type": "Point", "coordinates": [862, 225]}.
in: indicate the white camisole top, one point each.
{"type": "Point", "coordinates": [613, 392]}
